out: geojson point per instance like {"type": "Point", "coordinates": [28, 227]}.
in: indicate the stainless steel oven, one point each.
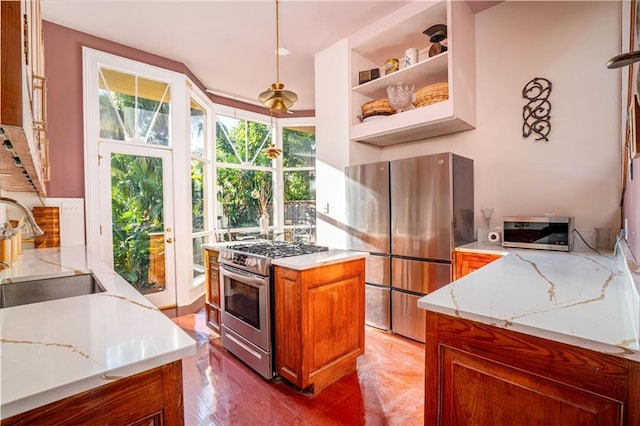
{"type": "Point", "coordinates": [247, 302]}
{"type": "Point", "coordinates": [246, 318]}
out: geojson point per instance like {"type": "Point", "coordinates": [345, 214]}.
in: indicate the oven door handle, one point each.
{"type": "Point", "coordinates": [247, 279]}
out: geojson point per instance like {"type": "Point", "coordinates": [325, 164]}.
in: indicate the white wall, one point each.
{"type": "Point", "coordinates": [578, 171]}
{"type": "Point", "coordinates": [332, 138]}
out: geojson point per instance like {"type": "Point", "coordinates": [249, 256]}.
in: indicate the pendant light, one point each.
{"type": "Point", "coordinates": [276, 98]}
{"type": "Point", "coordinates": [271, 151]}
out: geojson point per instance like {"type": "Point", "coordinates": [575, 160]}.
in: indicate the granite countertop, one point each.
{"type": "Point", "coordinates": [584, 299]}
{"type": "Point", "coordinates": [55, 349]}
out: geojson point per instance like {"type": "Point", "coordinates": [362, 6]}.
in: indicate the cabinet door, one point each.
{"type": "Point", "coordinates": [22, 98]}
{"type": "Point", "coordinates": [474, 389]}
{"type": "Point", "coordinates": [212, 288]}
{"type": "Point", "coordinates": [469, 262]}
{"type": "Point", "coordinates": [214, 284]}
{"type": "Point", "coordinates": [212, 277]}
{"type": "Point", "coordinates": [479, 374]}
{"type": "Point", "coordinates": [213, 318]}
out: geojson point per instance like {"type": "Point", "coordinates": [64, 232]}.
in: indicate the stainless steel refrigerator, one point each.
{"type": "Point", "coordinates": [409, 215]}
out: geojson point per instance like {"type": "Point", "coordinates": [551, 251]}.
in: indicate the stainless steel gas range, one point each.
{"type": "Point", "coordinates": [247, 302]}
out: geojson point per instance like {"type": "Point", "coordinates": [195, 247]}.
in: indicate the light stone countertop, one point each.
{"type": "Point", "coordinates": [583, 299]}
{"type": "Point", "coordinates": [55, 349]}
{"type": "Point", "coordinates": [305, 261]}
{"type": "Point", "coordinates": [323, 258]}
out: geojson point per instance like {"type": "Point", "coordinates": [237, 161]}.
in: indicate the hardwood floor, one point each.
{"type": "Point", "coordinates": [386, 389]}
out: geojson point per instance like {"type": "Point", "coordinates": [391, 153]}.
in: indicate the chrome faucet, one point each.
{"type": "Point", "coordinates": [33, 228]}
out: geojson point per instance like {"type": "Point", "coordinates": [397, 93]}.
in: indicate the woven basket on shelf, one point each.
{"type": "Point", "coordinates": [377, 107]}
{"type": "Point", "coordinates": [431, 94]}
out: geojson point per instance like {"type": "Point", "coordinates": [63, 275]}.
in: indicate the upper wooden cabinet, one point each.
{"type": "Point", "coordinates": [23, 123]}
{"type": "Point", "coordinates": [389, 38]}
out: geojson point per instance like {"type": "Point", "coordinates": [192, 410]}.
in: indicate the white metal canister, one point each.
{"type": "Point", "coordinates": [410, 57]}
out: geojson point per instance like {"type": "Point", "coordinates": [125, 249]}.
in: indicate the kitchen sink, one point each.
{"type": "Point", "coordinates": [41, 289]}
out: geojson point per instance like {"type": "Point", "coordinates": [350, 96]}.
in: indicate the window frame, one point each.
{"type": "Point", "coordinates": [207, 160]}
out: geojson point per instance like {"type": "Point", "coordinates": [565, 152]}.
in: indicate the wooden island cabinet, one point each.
{"type": "Point", "coordinates": [319, 322]}
{"type": "Point", "coordinates": [478, 374]}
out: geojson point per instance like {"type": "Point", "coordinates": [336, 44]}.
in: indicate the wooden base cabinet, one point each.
{"type": "Point", "coordinates": [319, 323]}
{"type": "Point", "coordinates": [153, 397]}
{"type": "Point", "coordinates": [478, 374]}
{"type": "Point", "coordinates": [467, 262]}
{"type": "Point", "coordinates": [212, 284]}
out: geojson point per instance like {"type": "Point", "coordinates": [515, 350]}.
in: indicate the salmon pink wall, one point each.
{"type": "Point", "coordinates": [63, 64]}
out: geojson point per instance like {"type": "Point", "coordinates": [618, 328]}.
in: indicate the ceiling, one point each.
{"type": "Point", "coordinates": [229, 45]}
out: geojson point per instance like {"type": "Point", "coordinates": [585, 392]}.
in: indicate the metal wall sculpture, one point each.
{"type": "Point", "coordinates": [537, 112]}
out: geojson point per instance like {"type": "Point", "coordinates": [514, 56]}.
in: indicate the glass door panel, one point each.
{"type": "Point", "coordinates": [138, 222]}
{"type": "Point", "coordinates": [140, 218]}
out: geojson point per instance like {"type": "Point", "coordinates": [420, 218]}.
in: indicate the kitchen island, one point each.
{"type": "Point", "coordinates": [108, 357]}
{"type": "Point", "coordinates": [319, 316]}
{"type": "Point", "coordinates": [555, 332]}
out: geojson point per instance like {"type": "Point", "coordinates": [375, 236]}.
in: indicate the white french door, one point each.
{"type": "Point", "coordinates": [134, 114]}
{"type": "Point", "coordinates": [136, 216]}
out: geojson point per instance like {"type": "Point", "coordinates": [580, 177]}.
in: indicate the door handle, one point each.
{"type": "Point", "coordinates": [169, 240]}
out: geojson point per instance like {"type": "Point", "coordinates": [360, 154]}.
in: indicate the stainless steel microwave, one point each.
{"type": "Point", "coordinates": [538, 232]}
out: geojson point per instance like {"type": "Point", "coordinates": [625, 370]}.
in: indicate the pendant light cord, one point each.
{"type": "Point", "coordinates": [277, 45]}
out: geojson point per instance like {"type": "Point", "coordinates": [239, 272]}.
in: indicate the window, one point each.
{"type": "Point", "coordinates": [244, 174]}
{"type": "Point", "coordinates": [299, 177]}
{"type": "Point", "coordinates": [250, 185]}
{"type": "Point", "coordinates": [133, 108]}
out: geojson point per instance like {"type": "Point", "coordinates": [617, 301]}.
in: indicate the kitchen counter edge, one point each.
{"type": "Point", "coordinates": [483, 296]}
{"type": "Point", "coordinates": [56, 349]}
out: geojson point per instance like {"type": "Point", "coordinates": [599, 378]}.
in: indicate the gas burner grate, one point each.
{"type": "Point", "coordinates": [278, 249]}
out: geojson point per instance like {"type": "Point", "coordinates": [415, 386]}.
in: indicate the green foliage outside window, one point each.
{"type": "Point", "coordinates": [197, 196]}
{"type": "Point", "coordinates": [239, 142]}
{"type": "Point", "coordinates": [137, 210]}
{"type": "Point", "coordinates": [300, 151]}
